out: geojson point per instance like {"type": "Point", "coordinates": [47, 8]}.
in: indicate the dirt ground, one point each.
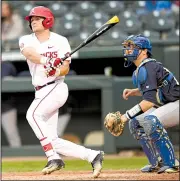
{"type": "Point", "coordinates": [87, 175]}
{"type": "Point", "coordinates": [109, 174]}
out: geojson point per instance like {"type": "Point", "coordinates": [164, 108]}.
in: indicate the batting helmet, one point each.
{"type": "Point", "coordinates": [139, 42]}
{"type": "Point", "coordinates": [44, 12]}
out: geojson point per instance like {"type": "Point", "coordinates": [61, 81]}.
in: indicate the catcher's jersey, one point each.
{"type": "Point", "coordinates": [55, 47]}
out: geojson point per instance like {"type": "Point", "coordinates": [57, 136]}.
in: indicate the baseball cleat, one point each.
{"type": "Point", "coordinates": [151, 168]}
{"type": "Point", "coordinates": [167, 169]}
{"type": "Point", "coordinates": [97, 164]}
{"type": "Point", "coordinates": [52, 166]}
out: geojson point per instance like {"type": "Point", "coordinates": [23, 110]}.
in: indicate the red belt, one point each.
{"type": "Point", "coordinates": [40, 87]}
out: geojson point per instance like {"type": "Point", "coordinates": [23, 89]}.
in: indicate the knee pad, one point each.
{"type": "Point", "coordinates": [133, 126]}
{"type": "Point", "coordinates": [153, 127]}
{"type": "Point", "coordinates": [138, 133]}
{"type": "Point", "coordinates": [136, 130]}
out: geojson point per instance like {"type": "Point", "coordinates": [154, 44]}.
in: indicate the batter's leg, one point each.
{"type": "Point", "coordinates": [70, 149]}
{"type": "Point", "coordinates": [48, 100]}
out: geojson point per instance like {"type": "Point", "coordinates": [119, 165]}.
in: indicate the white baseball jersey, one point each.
{"type": "Point", "coordinates": [56, 47]}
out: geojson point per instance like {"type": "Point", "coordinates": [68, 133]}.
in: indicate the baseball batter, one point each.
{"type": "Point", "coordinates": [43, 50]}
{"type": "Point", "coordinates": [158, 110]}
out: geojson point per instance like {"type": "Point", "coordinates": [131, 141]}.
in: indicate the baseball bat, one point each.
{"type": "Point", "coordinates": [105, 27]}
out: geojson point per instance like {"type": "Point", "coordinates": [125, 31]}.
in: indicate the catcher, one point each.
{"type": "Point", "coordinates": [158, 110]}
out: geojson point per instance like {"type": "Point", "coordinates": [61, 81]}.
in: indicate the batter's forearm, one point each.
{"type": "Point", "coordinates": [33, 56]}
{"type": "Point", "coordinates": [64, 68]}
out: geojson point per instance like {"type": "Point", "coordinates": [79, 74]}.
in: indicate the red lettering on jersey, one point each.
{"type": "Point", "coordinates": [50, 54]}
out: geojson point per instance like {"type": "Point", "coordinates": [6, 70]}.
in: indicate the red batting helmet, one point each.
{"type": "Point", "coordinates": [44, 12]}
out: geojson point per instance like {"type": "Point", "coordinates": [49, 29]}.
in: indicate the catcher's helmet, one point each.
{"type": "Point", "coordinates": [139, 42]}
{"type": "Point", "coordinates": [44, 12]}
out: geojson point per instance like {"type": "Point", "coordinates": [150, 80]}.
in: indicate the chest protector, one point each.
{"type": "Point", "coordinates": [140, 74]}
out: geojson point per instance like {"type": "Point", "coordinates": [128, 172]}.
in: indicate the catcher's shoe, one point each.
{"type": "Point", "coordinates": [150, 168]}
{"type": "Point", "coordinates": [97, 164]}
{"type": "Point", "coordinates": [168, 169]}
{"type": "Point", "coordinates": [52, 166]}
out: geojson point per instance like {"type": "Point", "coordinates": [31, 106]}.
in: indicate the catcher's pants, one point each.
{"type": "Point", "coordinates": [42, 116]}
{"type": "Point", "coordinates": [168, 114]}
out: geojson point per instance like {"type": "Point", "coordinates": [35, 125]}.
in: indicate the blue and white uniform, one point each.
{"type": "Point", "coordinates": [159, 86]}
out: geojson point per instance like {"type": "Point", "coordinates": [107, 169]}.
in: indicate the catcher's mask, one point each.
{"type": "Point", "coordinates": [44, 12]}
{"type": "Point", "coordinates": [135, 43]}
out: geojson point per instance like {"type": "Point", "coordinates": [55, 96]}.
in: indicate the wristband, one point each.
{"type": "Point", "coordinates": [43, 60]}
{"type": "Point", "coordinates": [133, 112]}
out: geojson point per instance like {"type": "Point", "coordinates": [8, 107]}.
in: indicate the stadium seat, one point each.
{"type": "Point", "coordinates": [93, 25]}
{"type": "Point", "coordinates": [85, 8]}
{"type": "Point", "coordinates": [114, 37]}
{"type": "Point", "coordinates": [139, 7]}
{"type": "Point", "coordinates": [95, 20]}
{"type": "Point", "coordinates": [147, 18]}
{"type": "Point", "coordinates": [173, 35]}
{"type": "Point", "coordinates": [127, 14]}
{"type": "Point", "coordinates": [130, 24]}
{"type": "Point", "coordinates": [42, 3]}
{"type": "Point", "coordinates": [152, 35]}
{"type": "Point", "coordinates": [113, 7]}
{"type": "Point", "coordinates": [58, 9]}
{"type": "Point", "coordinates": [25, 9]}
{"type": "Point", "coordinates": [67, 28]}
{"type": "Point", "coordinates": [80, 37]}
{"type": "Point", "coordinates": [69, 17]}
{"type": "Point", "coordinates": [161, 24]}
{"type": "Point", "coordinates": [69, 3]}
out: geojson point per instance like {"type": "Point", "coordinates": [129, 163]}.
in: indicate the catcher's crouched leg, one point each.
{"type": "Point", "coordinates": [138, 133]}
{"type": "Point", "coordinates": [159, 137]}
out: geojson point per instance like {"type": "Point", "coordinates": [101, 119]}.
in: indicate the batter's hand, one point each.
{"type": "Point", "coordinates": [52, 67]}
{"type": "Point", "coordinates": [50, 72]}
{"type": "Point", "coordinates": [53, 63]}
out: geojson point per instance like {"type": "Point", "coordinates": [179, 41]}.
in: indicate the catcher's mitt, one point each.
{"type": "Point", "coordinates": [114, 124]}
